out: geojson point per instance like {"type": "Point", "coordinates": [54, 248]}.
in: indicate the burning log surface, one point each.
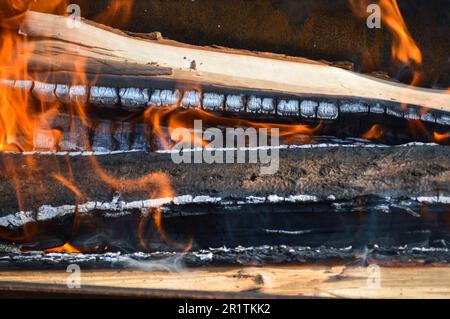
{"type": "Point", "coordinates": [89, 184]}
{"type": "Point", "coordinates": [341, 172]}
{"type": "Point", "coordinates": [389, 196]}
{"type": "Point", "coordinates": [260, 72]}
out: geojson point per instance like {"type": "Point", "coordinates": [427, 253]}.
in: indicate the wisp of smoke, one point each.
{"type": "Point", "coordinates": [169, 264]}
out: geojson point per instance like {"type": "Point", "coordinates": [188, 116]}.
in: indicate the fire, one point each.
{"type": "Point", "coordinates": [117, 11]}
{"type": "Point", "coordinates": [66, 248]}
{"type": "Point", "coordinates": [21, 121]}
{"type": "Point", "coordinates": [404, 49]}
{"type": "Point", "coordinates": [176, 117]}
{"type": "Point", "coordinates": [376, 132]}
{"type": "Point", "coordinates": [441, 137]}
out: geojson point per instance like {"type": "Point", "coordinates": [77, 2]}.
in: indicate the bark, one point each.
{"type": "Point", "coordinates": [344, 172]}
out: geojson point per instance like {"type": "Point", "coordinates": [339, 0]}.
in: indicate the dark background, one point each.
{"type": "Point", "coordinates": [318, 29]}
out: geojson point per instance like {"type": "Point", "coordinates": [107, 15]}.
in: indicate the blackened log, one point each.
{"type": "Point", "coordinates": [343, 172]}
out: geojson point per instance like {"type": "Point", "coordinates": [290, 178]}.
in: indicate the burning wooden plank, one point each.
{"type": "Point", "coordinates": [120, 72]}
{"type": "Point", "coordinates": [245, 70]}
{"type": "Point", "coordinates": [352, 171]}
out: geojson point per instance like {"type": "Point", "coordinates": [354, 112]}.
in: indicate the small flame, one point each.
{"type": "Point", "coordinates": [66, 248]}
{"type": "Point", "coordinates": [376, 132]}
{"type": "Point", "coordinates": [441, 137]}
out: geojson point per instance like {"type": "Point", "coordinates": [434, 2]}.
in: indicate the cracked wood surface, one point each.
{"type": "Point", "coordinates": [404, 171]}
{"type": "Point", "coordinates": [216, 66]}
{"type": "Point", "coordinates": [329, 281]}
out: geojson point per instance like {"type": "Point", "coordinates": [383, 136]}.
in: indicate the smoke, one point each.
{"type": "Point", "coordinates": [169, 264]}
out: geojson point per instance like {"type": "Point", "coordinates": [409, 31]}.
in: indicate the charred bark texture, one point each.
{"type": "Point", "coordinates": [344, 172]}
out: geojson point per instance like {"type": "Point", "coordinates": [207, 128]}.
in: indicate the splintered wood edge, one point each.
{"type": "Point", "coordinates": [322, 281]}
{"type": "Point", "coordinates": [232, 68]}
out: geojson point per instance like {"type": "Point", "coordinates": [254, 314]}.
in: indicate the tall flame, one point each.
{"type": "Point", "coordinates": [404, 49]}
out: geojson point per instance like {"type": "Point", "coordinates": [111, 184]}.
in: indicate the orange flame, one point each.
{"type": "Point", "coordinates": [66, 248]}
{"type": "Point", "coordinates": [404, 48]}
{"type": "Point", "coordinates": [176, 117]}
{"type": "Point", "coordinates": [118, 12]}
{"type": "Point", "coordinates": [441, 137]}
{"type": "Point", "coordinates": [376, 132]}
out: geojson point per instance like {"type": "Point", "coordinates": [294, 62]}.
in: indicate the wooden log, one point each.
{"type": "Point", "coordinates": [215, 66]}
{"type": "Point", "coordinates": [328, 281]}
{"type": "Point", "coordinates": [345, 173]}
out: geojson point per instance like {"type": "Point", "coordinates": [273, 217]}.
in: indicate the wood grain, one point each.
{"type": "Point", "coordinates": [338, 281]}
{"type": "Point", "coordinates": [219, 66]}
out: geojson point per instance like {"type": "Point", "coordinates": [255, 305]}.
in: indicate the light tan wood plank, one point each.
{"type": "Point", "coordinates": [297, 281]}
{"type": "Point", "coordinates": [229, 67]}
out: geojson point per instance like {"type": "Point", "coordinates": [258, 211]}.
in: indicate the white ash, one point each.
{"type": "Point", "coordinates": [9, 249]}
{"type": "Point", "coordinates": [78, 94]}
{"type": "Point", "coordinates": [169, 97]}
{"type": "Point", "coordinates": [354, 108]}
{"type": "Point", "coordinates": [185, 199]}
{"type": "Point", "coordinates": [308, 109]}
{"type": "Point", "coordinates": [434, 199]}
{"type": "Point", "coordinates": [17, 220]}
{"type": "Point", "coordinates": [275, 199]}
{"type": "Point", "coordinates": [377, 109]}
{"type": "Point", "coordinates": [235, 103]}
{"type": "Point", "coordinates": [443, 119]}
{"type": "Point", "coordinates": [5, 82]}
{"type": "Point", "coordinates": [301, 198]}
{"type": "Point", "coordinates": [134, 97]}
{"type": "Point", "coordinates": [62, 93]}
{"type": "Point", "coordinates": [103, 95]}
{"type": "Point", "coordinates": [155, 99]}
{"type": "Point", "coordinates": [260, 105]}
{"type": "Point", "coordinates": [394, 111]}
{"type": "Point", "coordinates": [117, 208]}
{"type": "Point", "coordinates": [213, 101]}
{"type": "Point", "coordinates": [254, 104]}
{"type": "Point", "coordinates": [268, 105]}
{"type": "Point", "coordinates": [327, 111]}
{"type": "Point", "coordinates": [254, 200]}
{"type": "Point", "coordinates": [288, 107]}
{"type": "Point", "coordinates": [47, 212]}
{"type": "Point", "coordinates": [164, 98]}
{"type": "Point", "coordinates": [412, 114]}
{"type": "Point", "coordinates": [44, 91]}
{"type": "Point", "coordinates": [25, 85]}
{"type": "Point", "coordinates": [428, 117]}
{"type": "Point", "coordinates": [157, 202]}
{"type": "Point", "coordinates": [191, 99]}
{"type": "Point", "coordinates": [206, 199]}
{"type": "Point", "coordinates": [292, 198]}
{"type": "Point", "coordinates": [288, 232]}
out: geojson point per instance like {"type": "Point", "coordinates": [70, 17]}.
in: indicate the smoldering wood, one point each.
{"type": "Point", "coordinates": [366, 222]}
{"type": "Point", "coordinates": [345, 173]}
{"type": "Point", "coordinates": [120, 97]}
{"type": "Point", "coordinates": [311, 77]}
{"type": "Point", "coordinates": [240, 256]}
